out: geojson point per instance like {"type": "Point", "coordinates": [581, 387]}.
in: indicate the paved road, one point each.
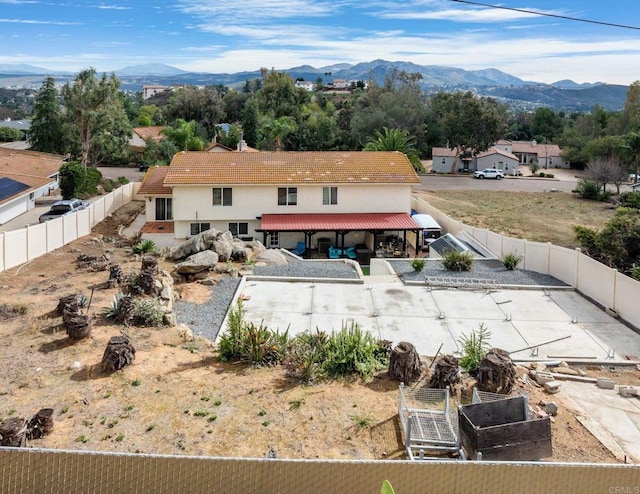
{"type": "Point", "coordinates": [518, 184]}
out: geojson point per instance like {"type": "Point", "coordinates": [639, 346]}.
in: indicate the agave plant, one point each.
{"type": "Point", "coordinates": [144, 247]}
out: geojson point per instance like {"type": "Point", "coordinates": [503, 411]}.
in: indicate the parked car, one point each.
{"type": "Point", "coordinates": [634, 178]}
{"type": "Point", "coordinates": [143, 168]}
{"type": "Point", "coordinates": [60, 208]}
{"type": "Point", "coordinates": [489, 173]}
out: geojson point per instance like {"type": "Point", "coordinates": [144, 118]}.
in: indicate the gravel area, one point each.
{"type": "Point", "coordinates": [489, 269]}
{"type": "Point", "coordinates": [206, 319]}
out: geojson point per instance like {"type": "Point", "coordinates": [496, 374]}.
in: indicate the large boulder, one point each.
{"type": "Point", "coordinates": [240, 252]}
{"type": "Point", "coordinates": [256, 246]}
{"type": "Point", "coordinates": [223, 245]}
{"type": "Point", "coordinates": [201, 261]}
{"type": "Point", "coordinates": [197, 243]}
{"type": "Point", "coordinates": [272, 256]}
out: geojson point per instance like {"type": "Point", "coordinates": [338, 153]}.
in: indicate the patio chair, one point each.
{"type": "Point", "coordinates": [300, 249]}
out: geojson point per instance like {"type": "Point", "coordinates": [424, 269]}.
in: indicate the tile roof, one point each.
{"type": "Point", "coordinates": [154, 132]}
{"type": "Point", "coordinates": [357, 167]}
{"type": "Point", "coordinates": [501, 152]}
{"type": "Point", "coordinates": [332, 222]}
{"type": "Point", "coordinates": [153, 182]}
{"type": "Point", "coordinates": [536, 148]}
{"type": "Point", "coordinates": [29, 163]}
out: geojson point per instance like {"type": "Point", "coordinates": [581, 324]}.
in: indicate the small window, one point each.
{"type": "Point", "coordinates": [222, 196]}
{"type": "Point", "coordinates": [197, 228]}
{"type": "Point", "coordinates": [329, 195]}
{"type": "Point", "coordinates": [287, 196]}
{"type": "Point", "coordinates": [238, 228]}
{"type": "Point", "coordinates": [444, 161]}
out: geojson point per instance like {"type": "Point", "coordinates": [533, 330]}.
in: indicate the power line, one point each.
{"type": "Point", "coordinates": [546, 14]}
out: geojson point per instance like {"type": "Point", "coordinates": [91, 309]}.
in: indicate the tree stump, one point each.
{"type": "Point", "coordinates": [13, 432]}
{"type": "Point", "coordinates": [118, 354]}
{"type": "Point", "coordinates": [115, 276]}
{"type": "Point", "coordinates": [404, 363]}
{"type": "Point", "coordinates": [69, 304]}
{"type": "Point", "coordinates": [446, 373]}
{"type": "Point", "coordinates": [78, 326]}
{"type": "Point", "coordinates": [40, 424]}
{"type": "Point", "coordinates": [496, 372]}
{"type": "Point", "coordinates": [147, 283]}
{"type": "Point", "coordinates": [150, 263]}
{"type": "Point", "coordinates": [124, 310]}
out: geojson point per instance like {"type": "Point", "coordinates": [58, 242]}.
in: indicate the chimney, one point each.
{"type": "Point", "coordinates": [242, 144]}
{"type": "Point", "coordinates": [534, 143]}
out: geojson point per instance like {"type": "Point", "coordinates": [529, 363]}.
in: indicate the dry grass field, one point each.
{"type": "Point", "coordinates": [535, 216]}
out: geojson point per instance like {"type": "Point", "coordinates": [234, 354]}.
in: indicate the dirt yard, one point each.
{"type": "Point", "coordinates": [177, 398]}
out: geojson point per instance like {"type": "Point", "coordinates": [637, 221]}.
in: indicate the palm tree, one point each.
{"type": "Point", "coordinates": [395, 140]}
{"type": "Point", "coordinates": [277, 129]}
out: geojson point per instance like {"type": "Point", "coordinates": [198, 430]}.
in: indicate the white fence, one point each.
{"type": "Point", "coordinates": [604, 285]}
{"type": "Point", "coordinates": [25, 244]}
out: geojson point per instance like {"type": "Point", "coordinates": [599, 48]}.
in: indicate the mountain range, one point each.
{"type": "Point", "coordinates": [561, 95]}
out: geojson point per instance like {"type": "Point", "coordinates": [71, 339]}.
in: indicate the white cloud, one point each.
{"type": "Point", "coordinates": [110, 7]}
{"type": "Point", "coordinates": [34, 21]}
{"type": "Point", "coordinates": [239, 11]}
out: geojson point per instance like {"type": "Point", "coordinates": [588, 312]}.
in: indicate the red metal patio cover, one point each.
{"type": "Point", "coordinates": [337, 222]}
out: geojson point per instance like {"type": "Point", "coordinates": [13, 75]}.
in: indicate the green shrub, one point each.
{"type": "Point", "coordinates": [550, 175]}
{"type": "Point", "coordinates": [635, 272]}
{"type": "Point", "coordinates": [148, 313]}
{"type": "Point", "coordinates": [534, 167]}
{"type": "Point", "coordinates": [418, 264]}
{"type": "Point", "coordinates": [122, 180]}
{"type": "Point", "coordinates": [93, 178]}
{"type": "Point", "coordinates": [604, 196]}
{"type": "Point", "coordinates": [72, 180]}
{"type": "Point", "coordinates": [144, 247]}
{"type": "Point", "coordinates": [588, 189]}
{"type": "Point", "coordinates": [511, 260]}
{"type": "Point", "coordinates": [542, 174]}
{"type": "Point", "coordinates": [630, 200]}
{"type": "Point", "coordinates": [474, 348]}
{"type": "Point", "coordinates": [457, 261]}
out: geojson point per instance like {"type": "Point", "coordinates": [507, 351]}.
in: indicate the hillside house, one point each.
{"type": "Point", "coordinates": [24, 177]}
{"type": "Point", "coordinates": [282, 198]}
{"type": "Point", "coordinates": [141, 135]}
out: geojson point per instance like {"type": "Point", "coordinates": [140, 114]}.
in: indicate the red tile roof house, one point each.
{"type": "Point", "coordinates": [282, 198]}
{"type": "Point", "coordinates": [140, 136]}
{"type": "Point", "coordinates": [24, 177]}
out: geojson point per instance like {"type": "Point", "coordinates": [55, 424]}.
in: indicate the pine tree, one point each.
{"type": "Point", "coordinates": [46, 133]}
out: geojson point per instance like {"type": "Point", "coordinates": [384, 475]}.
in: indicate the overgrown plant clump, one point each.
{"type": "Point", "coordinates": [148, 313]}
{"type": "Point", "coordinates": [511, 260]}
{"type": "Point", "coordinates": [249, 342]}
{"type": "Point", "coordinates": [457, 261]}
{"type": "Point", "coordinates": [474, 347]}
{"type": "Point", "coordinates": [353, 351]}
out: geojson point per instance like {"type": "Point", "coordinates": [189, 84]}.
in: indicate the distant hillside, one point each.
{"type": "Point", "coordinates": [565, 94]}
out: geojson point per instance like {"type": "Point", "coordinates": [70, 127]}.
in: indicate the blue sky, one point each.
{"type": "Point", "coordinates": [236, 35]}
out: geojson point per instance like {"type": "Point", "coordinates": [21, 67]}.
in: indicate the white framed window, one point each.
{"type": "Point", "coordinates": [329, 195]}
{"type": "Point", "coordinates": [287, 196]}
{"type": "Point", "coordinates": [222, 196]}
{"type": "Point", "coordinates": [274, 240]}
{"type": "Point", "coordinates": [238, 228]}
{"type": "Point", "coordinates": [164, 209]}
{"type": "Point", "coordinates": [196, 228]}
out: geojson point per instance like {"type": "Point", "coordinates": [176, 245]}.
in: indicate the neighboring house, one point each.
{"type": "Point", "coordinates": [503, 155]}
{"type": "Point", "coordinates": [306, 85]}
{"type": "Point", "coordinates": [24, 177]}
{"type": "Point", "coordinates": [445, 160]}
{"type": "Point", "coordinates": [547, 155]}
{"type": "Point", "coordinates": [283, 198]}
{"type": "Point", "coordinates": [216, 147]}
{"type": "Point", "coordinates": [150, 90]}
{"type": "Point", "coordinates": [140, 136]}
{"type": "Point", "coordinates": [23, 125]}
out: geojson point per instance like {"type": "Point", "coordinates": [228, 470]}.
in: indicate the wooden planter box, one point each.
{"type": "Point", "coordinates": [500, 430]}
